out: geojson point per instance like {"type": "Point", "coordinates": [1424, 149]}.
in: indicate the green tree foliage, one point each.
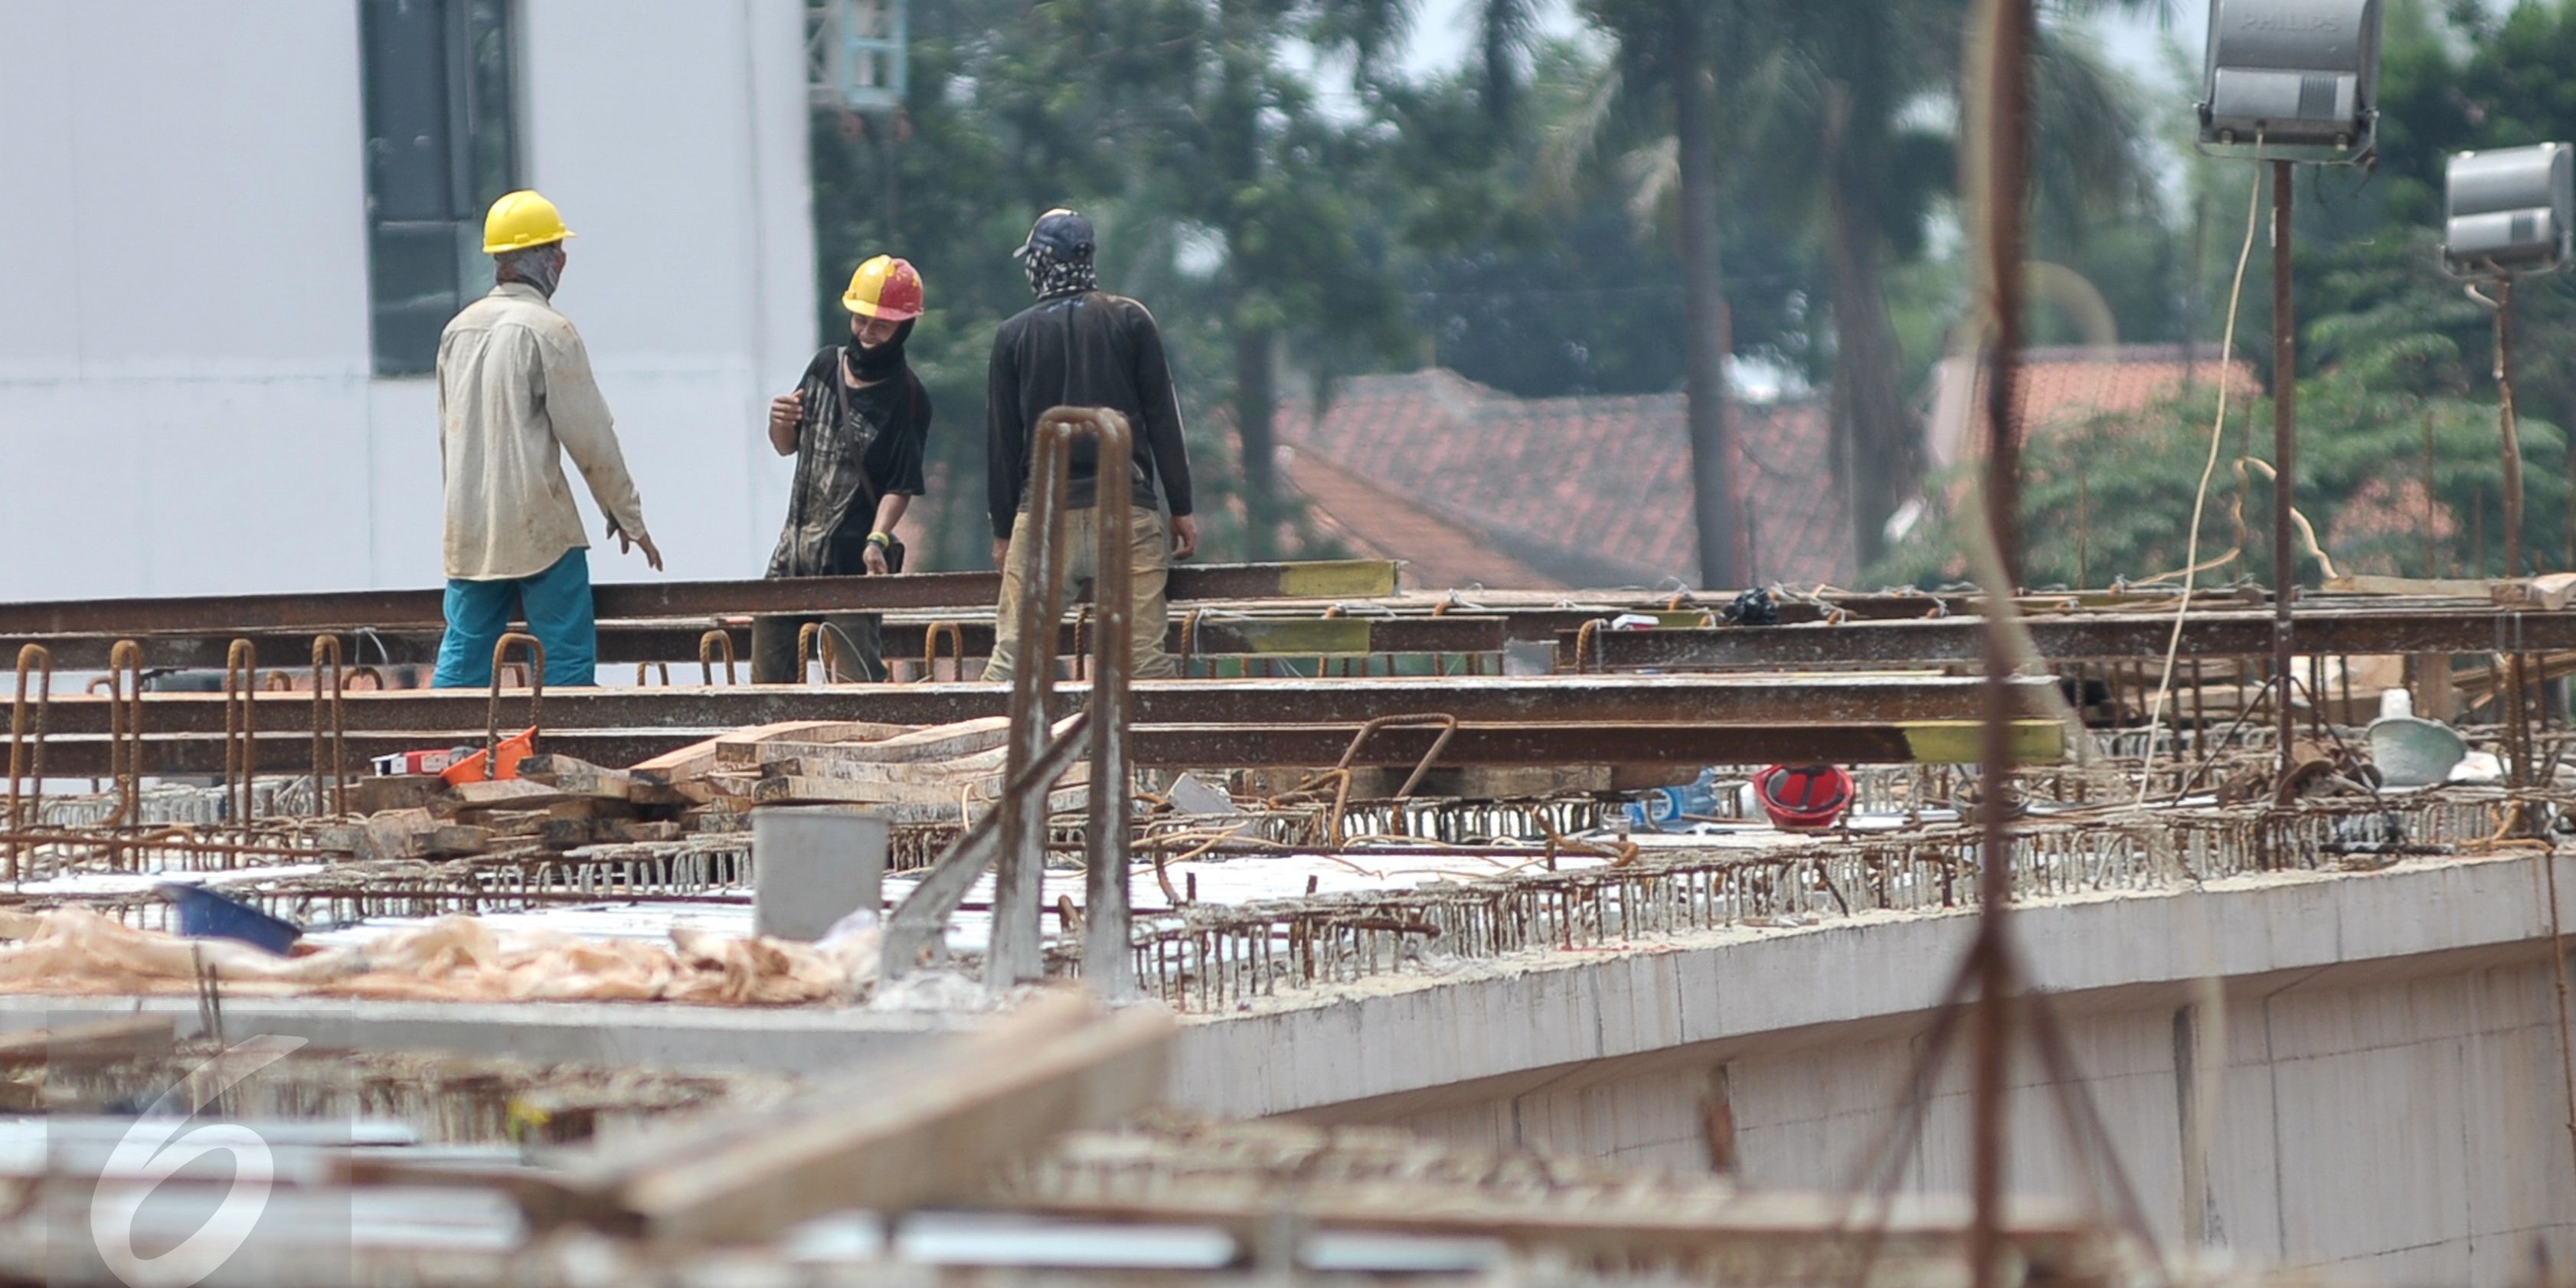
{"type": "Point", "coordinates": [2400, 471]}
{"type": "Point", "coordinates": [1295, 210]}
{"type": "Point", "coordinates": [2400, 451]}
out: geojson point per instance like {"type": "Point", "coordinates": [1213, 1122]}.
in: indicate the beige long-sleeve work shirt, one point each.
{"type": "Point", "coordinates": [515, 394]}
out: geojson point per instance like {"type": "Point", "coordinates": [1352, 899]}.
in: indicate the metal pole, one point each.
{"type": "Point", "coordinates": [2007, 90]}
{"type": "Point", "coordinates": [1108, 953]}
{"type": "Point", "coordinates": [2285, 446]}
{"type": "Point", "coordinates": [1016, 954]}
{"type": "Point", "coordinates": [2512, 431]}
{"type": "Point", "coordinates": [2432, 541]}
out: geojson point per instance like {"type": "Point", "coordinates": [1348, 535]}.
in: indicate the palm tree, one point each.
{"type": "Point", "coordinates": [1863, 65]}
{"type": "Point", "coordinates": [1667, 71]}
{"type": "Point", "coordinates": [1816, 96]}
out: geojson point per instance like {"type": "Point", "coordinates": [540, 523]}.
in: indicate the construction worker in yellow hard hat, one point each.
{"type": "Point", "coordinates": [515, 395]}
{"type": "Point", "coordinates": [520, 220]}
{"type": "Point", "coordinates": [856, 424]}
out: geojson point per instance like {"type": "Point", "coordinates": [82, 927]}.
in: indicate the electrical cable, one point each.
{"type": "Point", "coordinates": [2208, 471]}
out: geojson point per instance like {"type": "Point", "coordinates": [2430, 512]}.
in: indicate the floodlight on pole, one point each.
{"type": "Point", "coordinates": [2289, 81]}
{"type": "Point", "coordinates": [2507, 213]}
{"type": "Point", "coordinates": [2295, 79]}
{"type": "Point", "coordinates": [2510, 211]}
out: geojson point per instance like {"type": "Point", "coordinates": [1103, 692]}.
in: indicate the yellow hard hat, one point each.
{"type": "Point", "coordinates": [885, 287]}
{"type": "Point", "coordinates": [519, 220]}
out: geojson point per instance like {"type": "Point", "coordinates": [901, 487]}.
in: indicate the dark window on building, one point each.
{"type": "Point", "coordinates": [440, 151]}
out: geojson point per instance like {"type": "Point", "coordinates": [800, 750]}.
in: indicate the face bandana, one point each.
{"type": "Point", "coordinates": [1050, 277]}
{"type": "Point", "coordinates": [873, 363]}
{"type": "Point", "coordinates": [535, 266]}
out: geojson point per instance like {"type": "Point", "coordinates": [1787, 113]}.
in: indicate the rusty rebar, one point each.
{"type": "Point", "coordinates": [535, 649]}
{"type": "Point", "coordinates": [956, 637]}
{"type": "Point", "coordinates": [1017, 952]}
{"type": "Point", "coordinates": [329, 674]}
{"type": "Point", "coordinates": [27, 749]}
{"type": "Point", "coordinates": [720, 640]}
{"type": "Point", "coordinates": [125, 727]}
{"type": "Point", "coordinates": [241, 746]}
{"type": "Point", "coordinates": [1446, 723]}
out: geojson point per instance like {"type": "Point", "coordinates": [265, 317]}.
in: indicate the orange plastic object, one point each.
{"type": "Point", "coordinates": [515, 748]}
{"type": "Point", "coordinates": [1803, 798]}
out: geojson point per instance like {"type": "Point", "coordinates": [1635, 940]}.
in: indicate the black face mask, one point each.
{"type": "Point", "coordinates": [880, 362]}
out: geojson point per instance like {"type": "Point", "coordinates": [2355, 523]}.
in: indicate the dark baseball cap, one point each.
{"type": "Point", "coordinates": [1063, 233]}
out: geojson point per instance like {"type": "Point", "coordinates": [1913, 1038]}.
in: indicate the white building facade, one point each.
{"type": "Point", "coordinates": [230, 231]}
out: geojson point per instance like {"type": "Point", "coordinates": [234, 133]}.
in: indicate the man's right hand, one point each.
{"type": "Point", "coordinates": [652, 553]}
{"type": "Point", "coordinates": [786, 415]}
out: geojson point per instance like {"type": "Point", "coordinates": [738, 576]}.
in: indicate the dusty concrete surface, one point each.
{"type": "Point", "coordinates": [796, 1041]}
{"type": "Point", "coordinates": [2381, 1054]}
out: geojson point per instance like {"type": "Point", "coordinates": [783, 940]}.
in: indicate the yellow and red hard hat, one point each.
{"type": "Point", "coordinates": [885, 287]}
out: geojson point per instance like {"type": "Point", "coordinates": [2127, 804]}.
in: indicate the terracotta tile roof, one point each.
{"type": "Point", "coordinates": [1587, 491]}
{"type": "Point", "coordinates": [2064, 386]}
{"type": "Point", "coordinates": [1440, 553]}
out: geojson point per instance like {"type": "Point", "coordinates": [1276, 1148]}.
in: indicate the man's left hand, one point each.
{"type": "Point", "coordinates": [1185, 536]}
{"type": "Point", "coordinates": [874, 558]}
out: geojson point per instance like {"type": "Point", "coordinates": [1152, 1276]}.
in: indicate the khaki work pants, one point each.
{"type": "Point", "coordinates": [1149, 566]}
{"type": "Point", "coordinates": [850, 648]}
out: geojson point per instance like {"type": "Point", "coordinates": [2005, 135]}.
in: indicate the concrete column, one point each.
{"type": "Point", "coordinates": [813, 865]}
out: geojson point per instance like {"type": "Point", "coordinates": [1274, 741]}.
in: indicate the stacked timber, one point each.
{"type": "Point", "coordinates": [912, 775]}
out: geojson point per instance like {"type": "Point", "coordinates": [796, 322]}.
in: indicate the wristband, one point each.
{"type": "Point", "coordinates": [880, 539]}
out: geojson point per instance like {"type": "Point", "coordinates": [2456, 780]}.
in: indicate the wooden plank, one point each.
{"type": "Point", "coordinates": [96, 1040]}
{"type": "Point", "coordinates": [576, 777]}
{"type": "Point", "coordinates": [934, 742]}
{"type": "Point", "coordinates": [679, 763]}
{"type": "Point", "coordinates": [2442, 587]}
{"type": "Point", "coordinates": [897, 1139]}
{"type": "Point", "coordinates": [785, 791]}
{"type": "Point", "coordinates": [730, 748]}
{"type": "Point", "coordinates": [566, 833]}
{"type": "Point", "coordinates": [974, 745]}
{"type": "Point", "coordinates": [591, 809]}
{"type": "Point", "coordinates": [375, 794]}
{"type": "Point", "coordinates": [817, 760]}
{"type": "Point", "coordinates": [627, 831]}
{"type": "Point", "coordinates": [507, 793]}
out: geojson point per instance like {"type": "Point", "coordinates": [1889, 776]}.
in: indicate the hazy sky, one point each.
{"type": "Point", "coordinates": [2140, 46]}
{"type": "Point", "coordinates": [1444, 32]}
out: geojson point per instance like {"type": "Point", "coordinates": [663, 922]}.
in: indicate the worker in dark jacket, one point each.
{"type": "Point", "coordinates": [1080, 346]}
{"type": "Point", "coordinates": [856, 426]}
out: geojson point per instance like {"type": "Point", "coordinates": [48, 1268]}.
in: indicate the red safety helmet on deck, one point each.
{"type": "Point", "coordinates": [1803, 798]}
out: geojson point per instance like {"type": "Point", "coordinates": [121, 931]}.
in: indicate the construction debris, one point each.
{"type": "Point", "coordinates": [456, 959]}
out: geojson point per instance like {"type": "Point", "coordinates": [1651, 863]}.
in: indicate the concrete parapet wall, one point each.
{"type": "Point", "coordinates": [2388, 1095]}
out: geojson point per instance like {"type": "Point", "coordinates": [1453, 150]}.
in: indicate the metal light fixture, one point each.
{"type": "Point", "coordinates": [2297, 79]}
{"type": "Point", "coordinates": [2510, 210]}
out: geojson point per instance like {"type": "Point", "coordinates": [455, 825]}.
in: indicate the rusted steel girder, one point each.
{"type": "Point", "coordinates": [1230, 746]}
{"type": "Point", "coordinates": [1597, 699]}
{"type": "Point", "coordinates": [2124, 637]}
{"type": "Point", "coordinates": [626, 643]}
{"type": "Point", "coordinates": [238, 614]}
